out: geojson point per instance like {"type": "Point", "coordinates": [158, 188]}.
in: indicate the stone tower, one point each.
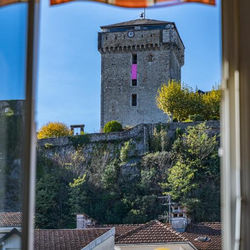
{"type": "Point", "coordinates": [137, 57]}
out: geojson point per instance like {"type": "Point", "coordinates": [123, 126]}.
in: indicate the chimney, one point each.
{"type": "Point", "coordinates": [84, 221]}
{"type": "Point", "coordinates": [80, 221]}
{"type": "Point", "coordinates": [179, 220]}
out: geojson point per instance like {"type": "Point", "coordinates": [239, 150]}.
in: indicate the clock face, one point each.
{"type": "Point", "coordinates": [131, 34]}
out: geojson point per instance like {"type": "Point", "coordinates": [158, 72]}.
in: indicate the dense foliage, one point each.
{"type": "Point", "coordinates": [194, 180]}
{"type": "Point", "coordinates": [181, 103]}
{"type": "Point", "coordinates": [53, 129]}
{"type": "Point", "coordinates": [120, 187]}
{"type": "Point", "coordinates": [11, 157]}
{"type": "Point", "coordinates": [212, 101]}
{"type": "Point", "coordinates": [112, 126]}
{"type": "Point", "coordinates": [52, 194]}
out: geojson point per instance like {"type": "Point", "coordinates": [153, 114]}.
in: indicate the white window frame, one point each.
{"type": "Point", "coordinates": [29, 166]}
{"type": "Point", "coordinates": [235, 124]}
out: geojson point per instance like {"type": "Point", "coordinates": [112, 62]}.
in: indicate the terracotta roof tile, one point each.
{"type": "Point", "coordinates": [121, 229]}
{"type": "Point", "coordinates": [65, 239]}
{"type": "Point", "coordinates": [156, 232]}
{"type": "Point", "coordinates": [10, 219]}
{"type": "Point", "coordinates": [209, 229]}
{"type": "Point", "coordinates": [151, 232]}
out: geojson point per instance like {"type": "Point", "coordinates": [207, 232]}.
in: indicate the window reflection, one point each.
{"type": "Point", "coordinates": [13, 20]}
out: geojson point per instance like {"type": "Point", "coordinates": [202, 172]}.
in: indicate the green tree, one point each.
{"type": "Point", "coordinates": [212, 101]}
{"type": "Point", "coordinates": [112, 126]}
{"type": "Point", "coordinates": [173, 99]}
{"type": "Point", "coordinates": [53, 129]}
{"type": "Point", "coordinates": [11, 155]}
{"type": "Point", "coordinates": [52, 196]}
{"type": "Point", "coordinates": [195, 105]}
{"type": "Point", "coordinates": [184, 104]}
{"type": "Point", "coordinates": [114, 186]}
{"type": "Point", "coordinates": [127, 192]}
{"type": "Point", "coordinates": [110, 175]}
{"type": "Point", "coordinates": [194, 180]}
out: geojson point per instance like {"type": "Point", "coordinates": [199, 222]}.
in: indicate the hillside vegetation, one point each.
{"type": "Point", "coordinates": [11, 154]}
{"type": "Point", "coordinates": [116, 186]}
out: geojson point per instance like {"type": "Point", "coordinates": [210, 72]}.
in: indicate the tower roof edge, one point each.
{"type": "Point", "coordinates": [136, 22]}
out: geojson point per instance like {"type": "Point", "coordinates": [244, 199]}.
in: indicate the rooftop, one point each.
{"type": "Point", "coordinates": [65, 239]}
{"type": "Point", "coordinates": [142, 22]}
{"type": "Point", "coordinates": [10, 219]}
{"type": "Point", "coordinates": [151, 232]}
{"type": "Point", "coordinates": [157, 232]}
{"type": "Point", "coordinates": [121, 229]}
{"type": "Point", "coordinates": [211, 230]}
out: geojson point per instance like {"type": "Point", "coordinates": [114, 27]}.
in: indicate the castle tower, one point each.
{"type": "Point", "coordinates": [137, 57]}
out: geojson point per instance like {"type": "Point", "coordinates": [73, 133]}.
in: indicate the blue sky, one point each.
{"type": "Point", "coordinates": [12, 51]}
{"type": "Point", "coordinates": [69, 62]}
{"type": "Point", "coordinates": [69, 65]}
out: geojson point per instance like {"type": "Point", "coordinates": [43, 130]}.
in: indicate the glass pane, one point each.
{"type": "Point", "coordinates": [13, 20]}
{"type": "Point", "coordinates": [161, 159]}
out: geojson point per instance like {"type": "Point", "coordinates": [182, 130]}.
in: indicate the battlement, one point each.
{"type": "Point", "coordinates": [137, 39]}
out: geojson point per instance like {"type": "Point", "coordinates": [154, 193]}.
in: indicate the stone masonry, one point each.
{"type": "Point", "coordinates": [140, 135]}
{"type": "Point", "coordinates": [155, 50]}
{"type": "Point", "coordinates": [94, 152]}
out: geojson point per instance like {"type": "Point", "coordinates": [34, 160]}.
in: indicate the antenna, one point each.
{"type": "Point", "coordinates": [166, 201]}
{"type": "Point", "coordinates": [143, 14]}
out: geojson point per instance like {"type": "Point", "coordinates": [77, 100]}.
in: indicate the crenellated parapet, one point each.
{"type": "Point", "coordinates": [139, 39]}
{"type": "Point", "coordinates": [129, 48]}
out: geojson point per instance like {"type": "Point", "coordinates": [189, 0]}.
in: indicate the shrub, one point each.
{"type": "Point", "coordinates": [48, 145]}
{"type": "Point", "coordinates": [53, 129]}
{"type": "Point", "coordinates": [160, 140]}
{"type": "Point", "coordinates": [173, 99]}
{"type": "Point", "coordinates": [196, 118]}
{"type": "Point", "coordinates": [194, 179]}
{"type": "Point", "coordinates": [112, 126]}
{"type": "Point", "coordinates": [180, 102]}
{"type": "Point", "coordinates": [79, 140]}
{"type": "Point", "coordinates": [126, 150]}
{"type": "Point", "coordinates": [178, 133]}
{"type": "Point", "coordinates": [212, 101]}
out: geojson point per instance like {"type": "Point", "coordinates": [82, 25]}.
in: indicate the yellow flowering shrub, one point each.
{"type": "Point", "coordinates": [53, 129]}
{"type": "Point", "coordinates": [184, 104]}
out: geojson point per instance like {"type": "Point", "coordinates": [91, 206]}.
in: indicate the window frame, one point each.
{"type": "Point", "coordinates": [134, 95]}
{"type": "Point", "coordinates": [235, 124]}
{"type": "Point", "coordinates": [134, 58]}
{"type": "Point", "coordinates": [29, 166]}
{"type": "Point", "coordinates": [134, 82]}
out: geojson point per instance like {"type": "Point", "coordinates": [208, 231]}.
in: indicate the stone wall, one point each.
{"type": "Point", "coordinates": [139, 135]}
{"type": "Point", "coordinates": [90, 142]}
{"type": "Point", "coordinates": [93, 152]}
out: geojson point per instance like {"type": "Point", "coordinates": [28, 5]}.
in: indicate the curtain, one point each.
{"type": "Point", "coordinates": [125, 3]}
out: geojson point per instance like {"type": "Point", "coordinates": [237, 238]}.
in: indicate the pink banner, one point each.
{"type": "Point", "coordinates": [134, 72]}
